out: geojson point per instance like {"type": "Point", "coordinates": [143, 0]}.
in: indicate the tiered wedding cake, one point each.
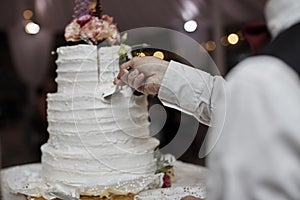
{"type": "Point", "coordinates": [98, 132]}
{"type": "Point", "coordinates": [95, 141]}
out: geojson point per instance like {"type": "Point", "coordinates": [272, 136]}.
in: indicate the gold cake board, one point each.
{"type": "Point", "coordinates": [128, 197]}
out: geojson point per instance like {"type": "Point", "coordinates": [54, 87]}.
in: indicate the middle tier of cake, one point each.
{"type": "Point", "coordinates": [96, 142]}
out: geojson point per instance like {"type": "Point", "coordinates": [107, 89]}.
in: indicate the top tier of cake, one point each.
{"type": "Point", "coordinates": [84, 68]}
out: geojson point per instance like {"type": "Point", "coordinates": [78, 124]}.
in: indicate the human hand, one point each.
{"type": "Point", "coordinates": [144, 74]}
{"type": "Point", "coordinates": [191, 198]}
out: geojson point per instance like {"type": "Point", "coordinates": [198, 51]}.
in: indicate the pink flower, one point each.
{"type": "Point", "coordinates": [92, 28]}
{"type": "Point", "coordinates": [98, 30]}
{"type": "Point", "coordinates": [72, 31]}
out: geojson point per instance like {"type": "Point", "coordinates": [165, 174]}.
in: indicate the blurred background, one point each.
{"type": "Point", "coordinates": [31, 29]}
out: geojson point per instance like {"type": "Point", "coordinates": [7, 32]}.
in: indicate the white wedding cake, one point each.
{"type": "Point", "coordinates": [95, 140]}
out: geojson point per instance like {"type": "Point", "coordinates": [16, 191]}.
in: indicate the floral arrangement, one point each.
{"type": "Point", "coordinates": [90, 25]}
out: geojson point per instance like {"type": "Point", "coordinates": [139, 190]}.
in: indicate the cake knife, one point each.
{"type": "Point", "coordinates": [63, 196]}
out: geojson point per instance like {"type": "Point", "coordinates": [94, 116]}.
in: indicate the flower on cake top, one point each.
{"type": "Point", "coordinates": [92, 27]}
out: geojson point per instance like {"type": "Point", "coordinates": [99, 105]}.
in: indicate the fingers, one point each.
{"type": "Point", "coordinates": [124, 71]}
{"type": "Point", "coordinates": [118, 82]}
{"type": "Point", "coordinates": [138, 82]}
{"type": "Point", "coordinates": [121, 77]}
{"type": "Point", "coordinates": [131, 77]}
{"type": "Point", "coordinates": [151, 88]}
{"type": "Point", "coordinates": [134, 79]}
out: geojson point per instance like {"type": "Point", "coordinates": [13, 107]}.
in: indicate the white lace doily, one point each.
{"type": "Point", "coordinates": [173, 193]}
{"type": "Point", "coordinates": [190, 180]}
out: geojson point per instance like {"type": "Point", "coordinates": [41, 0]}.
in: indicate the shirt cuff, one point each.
{"type": "Point", "coordinates": [188, 90]}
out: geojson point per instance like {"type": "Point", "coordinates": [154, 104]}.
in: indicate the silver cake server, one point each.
{"type": "Point", "coordinates": [63, 196]}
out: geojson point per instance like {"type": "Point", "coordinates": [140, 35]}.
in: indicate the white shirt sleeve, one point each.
{"type": "Point", "coordinates": [190, 90]}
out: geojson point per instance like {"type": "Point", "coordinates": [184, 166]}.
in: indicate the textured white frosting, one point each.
{"type": "Point", "coordinates": [91, 141]}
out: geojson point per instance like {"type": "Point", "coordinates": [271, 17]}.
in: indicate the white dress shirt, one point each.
{"type": "Point", "coordinates": [254, 119]}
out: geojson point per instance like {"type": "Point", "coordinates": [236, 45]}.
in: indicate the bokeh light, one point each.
{"type": "Point", "coordinates": [32, 28]}
{"type": "Point", "coordinates": [159, 54]}
{"type": "Point", "coordinates": [190, 26]}
{"type": "Point", "coordinates": [233, 38]}
{"type": "Point", "coordinates": [210, 45]}
{"type": "Point", "coordinates": [27, 14]}
{"type": "Point", "coordinates": [224, 41]}
{"type": "Point", "coordinates": [141, 54]}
